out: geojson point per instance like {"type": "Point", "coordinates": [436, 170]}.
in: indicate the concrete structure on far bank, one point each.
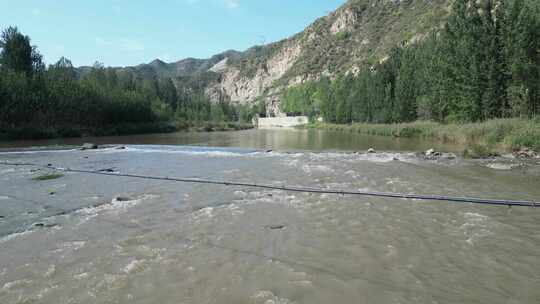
{"type": "Point", "coordinates": [280, 122]}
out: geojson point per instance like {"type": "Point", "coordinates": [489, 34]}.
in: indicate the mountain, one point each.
{"type": "Point", "coordinates": [359, 33]}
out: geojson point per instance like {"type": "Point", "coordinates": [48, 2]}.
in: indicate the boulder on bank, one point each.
{"type": "Point", "coordinates": [432, 154]}
{"type": "Point", "coordinates": [89, 146]}
{"type": "Point", "coordinates": [525, 153]}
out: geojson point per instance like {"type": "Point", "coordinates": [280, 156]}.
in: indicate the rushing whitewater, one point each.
{"type": "Point", "coordinates": [105, 239]}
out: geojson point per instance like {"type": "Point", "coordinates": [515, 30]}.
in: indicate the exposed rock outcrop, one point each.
{"type": "Point", "coordinates": [242, 89]}
{"type": "Point", "coordinates": [344, 21]}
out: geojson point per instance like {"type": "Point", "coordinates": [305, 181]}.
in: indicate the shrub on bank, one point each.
{"type": "Point", "coordinates": [512, 133]}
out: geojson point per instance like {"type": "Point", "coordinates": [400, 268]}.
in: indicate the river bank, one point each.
{"type": "Point", "coordinates": [32, 133]}
{"type": "Point", "coordinates": [480, 139]}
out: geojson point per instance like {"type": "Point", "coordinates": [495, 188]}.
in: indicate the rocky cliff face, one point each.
{"type": "Point", "coordinates": [359, 33]}
{"type": "Point", "coordinates": [241, 88]}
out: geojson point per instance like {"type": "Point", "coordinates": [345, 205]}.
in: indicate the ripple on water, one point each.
{"type": "Point", "coordinates": [112, 282]}
{"type": "Point", "coordinates": [71, 246]}
{"type": "Point", "coordinates": [116, 206]}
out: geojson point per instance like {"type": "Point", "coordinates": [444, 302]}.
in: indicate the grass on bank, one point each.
{"type": "Point", "coordinates": [508, 134]}
{"type": "Point", "coordinates": [33, 133]}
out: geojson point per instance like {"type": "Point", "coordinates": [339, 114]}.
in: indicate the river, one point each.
{"type": "Point", "coordinates": [108, 239]}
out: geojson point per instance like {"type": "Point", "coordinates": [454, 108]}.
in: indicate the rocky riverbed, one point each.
{"type": "Point", "coordinates": [84, 238]}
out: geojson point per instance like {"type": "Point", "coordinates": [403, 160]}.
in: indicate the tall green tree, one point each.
{"type": "Point", "coordinates": [168, 93]}
{"type": "Point", "coordinates": [17, 53]}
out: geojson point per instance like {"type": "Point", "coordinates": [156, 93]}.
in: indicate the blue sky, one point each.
{"type": "Point", "coordinates": [129, 32]}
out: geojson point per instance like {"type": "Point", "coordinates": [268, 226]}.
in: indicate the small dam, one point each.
{"type": "Point", "coordinates": [281, 122]}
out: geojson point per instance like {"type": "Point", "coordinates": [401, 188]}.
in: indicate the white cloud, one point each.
{"type": "Point", "coordinates": [232, 4]}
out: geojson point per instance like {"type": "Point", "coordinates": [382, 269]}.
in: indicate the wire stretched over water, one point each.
{"type": "Point", "coordinates": [453, 199]}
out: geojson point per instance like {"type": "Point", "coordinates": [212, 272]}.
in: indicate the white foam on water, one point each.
{"type": "Point", "coordinates": [475, 217]}
{"type": "Point", "coordinates": [302, 283]}
{"type": "Point", "coordinates": [3, 198]}
{"type": "Point", "coordinates": [385, 157]}
{"type": "Point", "coordinates": [5, 171]}
{"type": "Point", "coordinates": [134, 266]}
{"type": "Point", "coordinates": [73, 246]}
{"type": "Point", "coordinates": [116, 206]}
{"type": "Point", "coordinates": [38, 151]}
{"type": "Point", "coordinates": [501, 166]}
{"type": "Point", "coordinates": [50, 271]}
{"type": "Point", "coordinates": [271, 197]}
{"type": "Point", "coordinates": [267, 297]}
{"type": "Point", "coordinates": [113, 282]}
{"type": "Point", "coordinates": [476, 226]}
{"type": "Point", "coordinates": [350, 172]}
{"type": "Point", "coordinates": [207, 212]}
{"type": "Point", "coordinates": [224, 153]}
{"type": "Point", "coordinates": [317, 169]}
{"type": "Point", "coordinates": [209, 153]}
{"type": "Point", "coordinates": [235, 209]}
{"type": "Point", "coordinates": [240, 193]}
{"type": "Point", "coordinates": [293, 163]}
{"type": "Point", "coordinates": [81, 276]}
{"type": "Point", "coordinates": [17, 284]}
{"type": "Point", "coordinates": [13, 236]}
{"type": "Point", "coordinates": [43, 292]}
{"type": "Point", "coordinates": [382, 157]}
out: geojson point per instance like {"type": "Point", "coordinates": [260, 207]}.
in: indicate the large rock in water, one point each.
{"type": "Point", "coordinates": [89, 146]}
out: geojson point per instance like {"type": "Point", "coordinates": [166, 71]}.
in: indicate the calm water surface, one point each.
{"type": "Point", "coordinates": [71, 240]}
{"type": "Point", "coordinates": [277, 139]}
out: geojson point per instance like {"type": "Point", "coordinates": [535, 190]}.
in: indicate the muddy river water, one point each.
{"type": "Point", "coordinates": [107, 239]}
